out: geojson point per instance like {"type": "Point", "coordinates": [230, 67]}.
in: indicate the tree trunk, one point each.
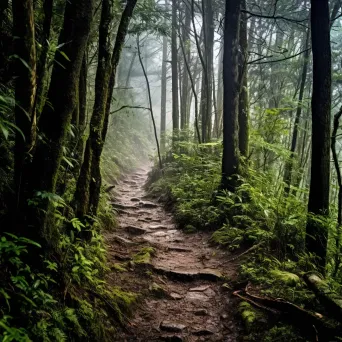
{"type": "Point", "coordinates": [185, 77]}
{"type": "Point", "coordinates": [25, 91]}
{"type": "Point", "coordinates": [243, 96]}
{"type": "Point", "coordinates": [95, 172]}
{"type": "Point", "coordinates": [316, 234]}
{"type": "Point", "coordinates": [163, 92]}
{"type": "Point", "coordinates": [289, 164]}
{"type": "Point", "coordinates": [44, 41]}
{"type": "Point", "coordinates": [56, 115]}
{"type": "Point", "coordinates": [174, 68]}
{"type": "Point", "coordinates": [230, 156]}
{"type": "Point", "coordinates": [82, 195]}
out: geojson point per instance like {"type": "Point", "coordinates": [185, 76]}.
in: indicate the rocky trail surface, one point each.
{"type": "Point", "coordinates": [181, 279]}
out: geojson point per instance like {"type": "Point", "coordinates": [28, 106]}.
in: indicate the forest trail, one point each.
{"type": "Point", "coordinates": [182, 285]}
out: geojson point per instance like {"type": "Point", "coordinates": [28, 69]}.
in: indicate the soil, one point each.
{"type": "Point", "coordinates": [183, 288]}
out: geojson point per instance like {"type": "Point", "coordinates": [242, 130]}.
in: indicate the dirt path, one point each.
{"type": "Point", "coordinates": [182, 286]}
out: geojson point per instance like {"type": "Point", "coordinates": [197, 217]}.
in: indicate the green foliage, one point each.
{"type": "Point", "coordinates": [144, 255]}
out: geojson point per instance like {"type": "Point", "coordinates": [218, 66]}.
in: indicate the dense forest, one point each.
{"type": "Point", "coordinates": [170, 170]}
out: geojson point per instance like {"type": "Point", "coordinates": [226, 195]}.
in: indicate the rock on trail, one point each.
{"type": "Point", "coordinates": [193, 305]}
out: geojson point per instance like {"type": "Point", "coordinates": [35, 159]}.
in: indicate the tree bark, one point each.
{"type": "Point", "coordinates": [44, 41]}
{"type": "Point", "coordinates": [316, 234]}
{"type": "Point", "coordinates": [243, 96]}
{"type": "Point", "coordinates": [174, 68]}
{"type": "Point", "coordinates": [163, 91]}
{"type": "Point", "coordinates": [289, 164]}
{"type": "Point", "coordinates": [185, 77]}
{"type": "Point", "coordinates": [82, 195]}
{"type": "Point", "coordinates": [56, 115]}
{"type": "Point", "coordinates": [25, 91]}
{"type": "Point", "coordinates": [230, 156]}
{"type": "Point", "coordinates": [119, 44]}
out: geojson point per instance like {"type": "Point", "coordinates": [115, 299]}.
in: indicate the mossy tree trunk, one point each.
{"type": "Point", "coordinates": [230, 157]}
{"type": "Point", "coordinates": [88, 188]}
{"type": "Point", "coordinates": [316, 232]}
{"type": "Point", "coordinates": [56, 115]}
{"type": "Point", "coordinates": [95, 186]}
{"type": "Point", "coordinates": [25, 91]}
{"type": "Point", "coordinates": [82, 195]}
{"type": "Point", "coordinates": [44, 41]}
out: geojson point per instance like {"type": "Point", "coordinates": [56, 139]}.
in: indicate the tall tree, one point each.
{"type": "Point", "coordinates": [174, 68]}
{"type": "Point", "coordinates": [185, 77]}
{"type": "Point", "coordinates": [289, 164]}
{"type": "Point", "coordinates": [163, 90]}
{"type": "Point", "coordinates": [230, 157]}
{"type": "Point", "coordinates": [25, 89]}
{"type": "Point", "coordinates": [243, 96]}
{"type": "Point", "coordinates": [96, 123]}
{"type": "Point", "coordinates": [88, 188]}
{"type": "Point", "coordinates": [316, 233]}
{"type": "Point", "coordinates": [57, 112]}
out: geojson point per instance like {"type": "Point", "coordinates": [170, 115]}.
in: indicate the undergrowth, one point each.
{"type": "Point", "coordinates": [257, 218]}
{"type": "Point", "coordinates": [66, 299]}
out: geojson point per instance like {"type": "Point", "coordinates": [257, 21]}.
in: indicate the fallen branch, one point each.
{"type": "Point", "coordinates": [246, 252]}
{"type": "Point", "coordinates": [329, 299]}
{"type": "Point", "coordinates": [312, 324]}
{"type": "Point", "coordinates": [133, 107]}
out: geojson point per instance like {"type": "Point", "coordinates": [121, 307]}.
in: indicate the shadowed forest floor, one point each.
{"type": "Point", "coordinates": [180, 277]}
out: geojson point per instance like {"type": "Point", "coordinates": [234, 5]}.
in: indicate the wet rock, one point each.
{"type": "Point", "coordinates": [135, 199]}
{"type": "Point", "coordinates": [160, 234]}
{"type": "Point", "coordinates": [176, 296]}
{"type": "Point", "coordinates": [200, 288]}
{"type": "Point", "coordinates": [180, 249]}
{"type": "Point", "coordinates": [203, 332]}
{"type": "Point", "coordinates": [123, 206]}
{"type": "Point", "coordinates": [174, 338]}
{"type": "Point", "coordinates": [188, 275]}
{"type": "Point", "coordinates": [135, 230]}
{"type": "Point", "coordinates": [172, 327]}
{"type": "Point", "coordinates": [196, 296]}
{"type": "Point", "coordinates": [158, 291]}
{"type": "Point", "coordinates": [148, 204]}
{"type": "Point", "coordinates": [160, 227]}
{"type": "Point", "coordinates": [201, 312]}
{"type": "Point", "coordinates": [210, 292]}
{"type": "Point", "coordinates": [122, 240]}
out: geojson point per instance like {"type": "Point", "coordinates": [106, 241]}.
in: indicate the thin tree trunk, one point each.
{"type": "Point", "coordinates": [230, 156]}
{"type": "Point", "coordinates": [95, 179]}
{"type": "Point", "coordinates": [150, 104]}
{"type": "Point", "coordinates": [185, 79]}
{"type": "Point", "coordinates": [289, 164]}
{"type": "Point", "coordinates": [25, 91]}
{"type": "Point", "coordinates": [193, 91]}
{"type": "Point", "coordinates": [82, 195]}
{"type": "Point", "coordinates": [174, 68]}
{"type": "Point", "coordinates": [339, 197]}
{"type": "Point", "coordinates": [316, 234]}
{"type": "Point", "coordinates": [163, 91]}
{"type": "Point", "coordinates": [41, 67]}
{"type": "Point", "coordinates": [243, 96]}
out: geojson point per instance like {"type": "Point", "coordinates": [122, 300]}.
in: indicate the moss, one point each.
{"type": "Point", "coordinates": [228, 236]}
{"type": "Point", "coordinates": [158, 291]}
{"type": "Point", "coordinates": [119, 267]}
{"type": "Point", "coordinates": [144, 256]}
{"type": "Point", "coordinates": [190, 229]}
{"type": "Point", "coordinates": [287, 278]}
{"type": "Point", "coordinates": [248, 315]}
